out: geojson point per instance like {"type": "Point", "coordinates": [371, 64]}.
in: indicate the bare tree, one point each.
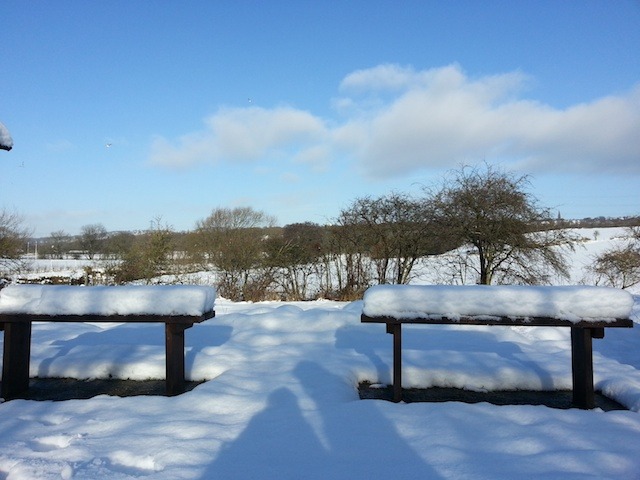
{"type": "Point", "coordinates": [119, 244]}
{"type": "Point", "coordinates": [13, 236]}
{"type": "Point", "coordinates": [511, 236]}
{"type": "Point", "coordinates": [295, 254]}
{"type": "Point", "coordinates": [148, 256]}
{"type": "Point", "coordinates": [348, 258]}
{"type": "Point", "coordinates": [91, 238]}
{"type": "Point", "coordinates": [60, 241]}
{"type": "Point", "coordinates": [396, 231]}
{"type": "Point", "coordinates": [619, 266]}
{"type": "Point", "coordinates": [232, 241]}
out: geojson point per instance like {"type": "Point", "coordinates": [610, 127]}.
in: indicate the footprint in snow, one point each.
{"type": "Point", "coordinates": [52, 442]}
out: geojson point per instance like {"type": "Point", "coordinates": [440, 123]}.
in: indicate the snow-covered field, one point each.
{"type": "Point", "coordinates": [281, 401]}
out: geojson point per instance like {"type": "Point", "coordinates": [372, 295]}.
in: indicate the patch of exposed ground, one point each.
{"type": "Point", "coordinates": [69, 388]}
{"type": "Point", "coordinates": [554, 399]}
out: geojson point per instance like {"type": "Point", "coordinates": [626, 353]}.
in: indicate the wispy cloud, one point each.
{"type": "Point", "coordinates": [394, 120]}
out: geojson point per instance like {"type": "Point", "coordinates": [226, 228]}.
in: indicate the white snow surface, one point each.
{"type": "Point", "coordinates": [572, 303]}
{"type": "Point", "coordinates": [187, 300]}
{"type": "Point", "coordinates": [5, 137]}
{"type": "Point", "coordinates": [281, 402]}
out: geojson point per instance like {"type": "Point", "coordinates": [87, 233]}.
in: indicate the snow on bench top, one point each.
{"type": "Point", "coordinates": [173, 300]}
{"type": "Point", "coordinates": [572, 303]}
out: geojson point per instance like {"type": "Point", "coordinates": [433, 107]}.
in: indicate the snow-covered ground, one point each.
{"type": "Point", "coordinates": [281, 402]}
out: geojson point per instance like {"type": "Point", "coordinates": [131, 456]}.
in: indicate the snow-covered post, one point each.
{"type": "Point", "coordinates": [6, 142]}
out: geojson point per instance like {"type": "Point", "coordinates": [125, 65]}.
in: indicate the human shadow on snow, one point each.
{"type": "Point", "coordinates": [335, 436]}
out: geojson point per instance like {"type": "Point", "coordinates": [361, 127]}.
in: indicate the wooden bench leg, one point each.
{"type": "Point", "coordinates": [174, 351]}
{"type": "Point", "coordinates": [582, 367]}
{"type": "Point", "coordinates": [396, 330]}
{"type": "Point", "coordinates": [15, 360]}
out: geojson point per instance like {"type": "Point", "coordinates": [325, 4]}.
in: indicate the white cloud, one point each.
{"type": "Point", "coordinates": [443, 118]}
{"type": "Point", "coordinates": [381, 77]}
{"type": "Point", "coordinates": [389, 77]}
{"type": "Point", "coordinates": [396, 120]}
{"type": "Point", "coordinates": [241, 134]}
{"type": "Point", "coordinates": [601, 136]}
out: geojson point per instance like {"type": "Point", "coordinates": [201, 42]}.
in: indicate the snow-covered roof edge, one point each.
{"type": "Point", "coordinates": [6, 142]}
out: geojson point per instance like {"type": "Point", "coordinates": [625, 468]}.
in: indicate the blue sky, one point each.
{"type": "Point", "coordinates": [122, 112]}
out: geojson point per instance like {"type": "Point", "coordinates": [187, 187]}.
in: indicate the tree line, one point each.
{"type": "Point", "coordinates": [490, 226]}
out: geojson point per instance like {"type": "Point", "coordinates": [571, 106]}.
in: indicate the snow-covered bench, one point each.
{"type": "Point", "coordinates": [178, 307]}
{"type": "Point", "coordinates": [586, 310]}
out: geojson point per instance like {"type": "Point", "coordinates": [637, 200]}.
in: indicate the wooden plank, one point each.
{"type": "Point", "coordinates": [582, 368]}
{"type": "Point", "coordinates": [174, 353]}
{"type": "Point", "coordinates": [184, 319]}
{"type": "Point", "coordinates": [16, 357]}
{"type": "Point", "coordinates": [508, 321]}
{"type": "Point", "coordinates": [396, 331]}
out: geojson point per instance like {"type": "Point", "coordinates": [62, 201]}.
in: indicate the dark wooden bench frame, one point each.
{"type": "Point", "coordinates": [17, 345]}
{"type": "Point", "coordinates": [582, 334]}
